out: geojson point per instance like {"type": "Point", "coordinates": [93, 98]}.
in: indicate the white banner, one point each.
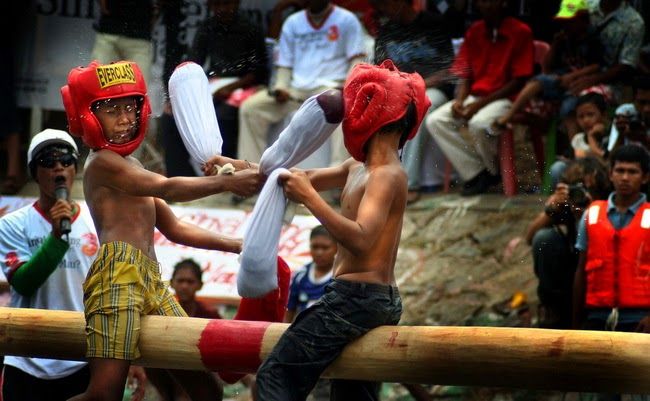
{"type": "Point", "coordinates": [219, 268]}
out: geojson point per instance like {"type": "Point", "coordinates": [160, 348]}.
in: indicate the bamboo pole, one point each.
{"type": "Point", "coordinates": [475, 356]}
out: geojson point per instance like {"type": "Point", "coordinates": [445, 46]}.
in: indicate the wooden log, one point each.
{"type": "Point", "coordinates": [474, 356]}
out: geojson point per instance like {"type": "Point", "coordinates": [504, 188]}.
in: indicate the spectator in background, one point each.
{"type": "Point", "coordinates": [552, 235]}
{"type": "Point", "coordinates": [187, 280]}
{"type": "Point", "coordinates": [494, 61]}
{"type": "Point", "coordinates": [610, 287]}
{"type": "Point", "coordinates": [621, 30]}
{"type": "Point", "coordinates": [123, 32]}
{"type": "Point", "coordinates": [575, 52]}
{"type": "Point", "coordinates": [627, 128]}
{"type": "Point", "coordinates": [176, 157]}
{"type": "Point", "coordinates": [591, 116]}
{"type": "Point", "coordinates": [235, 50]}
{"type": "Point", "coordinates": [418, 42]}
{"type": "Point", "coordinates": [308, 284]}
{"type": "Point", "coordinates": [10, 132]}
{"type": "Point", "coordinates": [317, 48]}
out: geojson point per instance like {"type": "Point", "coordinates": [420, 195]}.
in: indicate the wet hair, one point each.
{"type": "Point", "coordinates": [320, 231]}
{"type": "Point", "coordinates": [403, 125]}
{"type": "Point", "coordinates": [631, 154]}
{"type": "Point", "coordinates": [596, 99]}
{"type": "Point", "coordinates": [189, 264]}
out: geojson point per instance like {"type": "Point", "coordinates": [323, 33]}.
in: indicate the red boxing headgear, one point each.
{"type": "Point", "coordinates": [87, 85]}
{"type": "Point", "coordinates": [378, 95]}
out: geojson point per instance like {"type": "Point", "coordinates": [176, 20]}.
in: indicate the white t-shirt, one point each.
{"type": "Point", "coordinates": [21, 233]}
{"type": "Point", "coordinates": [320, 55]}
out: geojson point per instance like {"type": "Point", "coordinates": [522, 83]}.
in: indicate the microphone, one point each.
{"type": "Point", "coordinates": [61, 192]}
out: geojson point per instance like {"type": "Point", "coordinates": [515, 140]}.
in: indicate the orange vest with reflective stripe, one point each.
{"type": "Point", "coordinates": [618, 261]}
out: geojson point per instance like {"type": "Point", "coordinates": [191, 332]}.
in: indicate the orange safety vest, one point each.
{"type": "Point", "coordinates": [618, 261]}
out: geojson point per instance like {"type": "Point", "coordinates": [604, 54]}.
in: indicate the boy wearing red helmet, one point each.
{"type": "Point", "coordinates": [107, 106]}
{"type": "Point", "coordinates": [383, 109]}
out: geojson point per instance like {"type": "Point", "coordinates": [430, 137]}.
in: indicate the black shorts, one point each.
{"type": "Point", "coordinates": [20, 386]}
{"type": "Point", "coordinates": [315, 339]}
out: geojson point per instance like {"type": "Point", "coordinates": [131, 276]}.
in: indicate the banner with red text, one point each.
{"type": "Point", "coordinates": [219, 268]}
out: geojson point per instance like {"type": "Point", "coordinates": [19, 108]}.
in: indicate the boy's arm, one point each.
{"type": "Point", "coordinates": [357, 236]}
{"type": "Point", "coordinates": [111, 170]}
{"type": "Point", "coordinates": [184, 233]}
{"type": "Point", "coordinates": [323, 179]}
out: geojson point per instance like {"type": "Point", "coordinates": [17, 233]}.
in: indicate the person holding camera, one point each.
{"type": "Point", "coordinates": [611, 290]}
{"type": "Point", "coordinates": [552, 235]}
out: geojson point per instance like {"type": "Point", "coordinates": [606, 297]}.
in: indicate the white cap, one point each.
{"type": "Point", "coordinates": [46, 138]}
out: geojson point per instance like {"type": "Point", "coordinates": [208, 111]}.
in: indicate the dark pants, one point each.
{"type": "Point", "coordinates": [227, 117]}
{"type": "Point", "coordinates": [555, 262]}
{"type": "Point", "coordinates": [317, 337]}
{"type": "Point", "coordinates": [177, 159]}
{"type": "Point", "coordinates": [20, 386]}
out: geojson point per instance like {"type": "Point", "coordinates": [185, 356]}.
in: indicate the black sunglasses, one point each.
{"type": "Point", "coordinates": [50, 161]}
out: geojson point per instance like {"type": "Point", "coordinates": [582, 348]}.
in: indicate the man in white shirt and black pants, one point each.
{"type": "Point", "coordinates": [318, 46]}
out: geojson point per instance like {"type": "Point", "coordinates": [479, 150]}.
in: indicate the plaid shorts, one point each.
{"type": "Point", "coordinates": [122, 285]}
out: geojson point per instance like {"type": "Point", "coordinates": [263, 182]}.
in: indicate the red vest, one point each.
{"type": "Point", "coordinates": [618, 261]}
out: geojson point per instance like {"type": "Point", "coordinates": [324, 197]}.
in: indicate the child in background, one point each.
{"type": "Point", "coordinates": [308, 284]}
{"type": "Point", "coordinates": [592, 140]}
{"type": "Point", "coordinates": [591, 112]}
{"type": "Point", "coordinates": [187, 281]}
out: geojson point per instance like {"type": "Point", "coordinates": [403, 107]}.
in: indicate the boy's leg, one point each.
{"type": "Point", "coordinates": [485, 146]}
{"type": "Point", "coordinates": [107, 380]}
{"type": "Point", "coordinates": [309, 345]}
{"type": "Point", "coordinates": [319, 334]}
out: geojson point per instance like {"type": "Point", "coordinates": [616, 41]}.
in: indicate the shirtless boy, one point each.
{"type": "Point", "coordinates": [383, 110]}
{"type": "Point", "coordinates": [107, 105]}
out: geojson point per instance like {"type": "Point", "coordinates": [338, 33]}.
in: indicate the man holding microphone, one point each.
{"type": "Point", "coordinates": [46, 249]}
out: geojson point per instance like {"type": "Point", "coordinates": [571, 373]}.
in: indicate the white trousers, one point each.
{"type": "Point", "coordinates": [422, 158]}
{"type": "Point", "coordinates": [260, 111]}
{"type": "Point", "coordinates": [469, 145]}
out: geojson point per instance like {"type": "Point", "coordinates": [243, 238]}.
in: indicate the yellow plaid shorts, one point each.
{"type": "Point", "coordinates": [122, 285]}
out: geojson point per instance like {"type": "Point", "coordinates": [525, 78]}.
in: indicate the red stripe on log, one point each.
{"type": "Point", "coordinates": [232, 345]}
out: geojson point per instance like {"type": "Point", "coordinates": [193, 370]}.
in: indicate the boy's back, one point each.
{"type": "Point", "coordinates": [383, 110]}
{"type": "Point", "coordinates": [366, 190]}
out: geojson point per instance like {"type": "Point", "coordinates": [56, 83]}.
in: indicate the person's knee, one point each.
{"type": "Point", "coordinates": [435, 122]}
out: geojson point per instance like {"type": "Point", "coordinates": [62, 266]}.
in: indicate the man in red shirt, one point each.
{"type": "Point", "coordinates": [493, 63]}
